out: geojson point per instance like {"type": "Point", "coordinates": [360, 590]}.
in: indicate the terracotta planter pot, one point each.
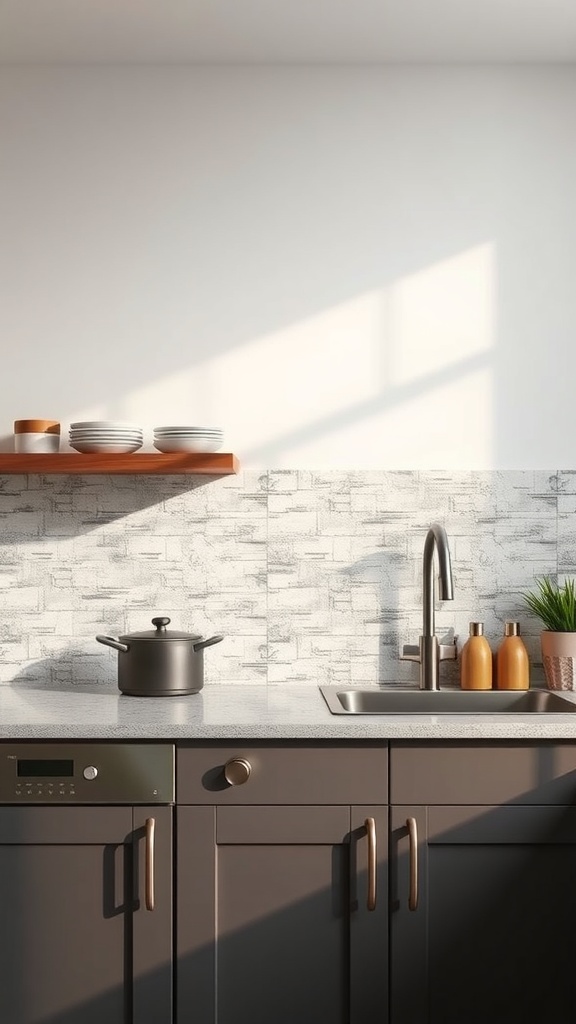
{"type": "Point", "coordinates": [559, 659]}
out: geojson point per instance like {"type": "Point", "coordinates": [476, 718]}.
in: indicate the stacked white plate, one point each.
{"type": "Point", "coordinates": [188, 439]}
{"type": "Point", "coordinates": [106, 436]}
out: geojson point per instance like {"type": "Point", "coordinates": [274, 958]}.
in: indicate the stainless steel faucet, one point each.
{"type": "Point", "coordinates": [429, 652]}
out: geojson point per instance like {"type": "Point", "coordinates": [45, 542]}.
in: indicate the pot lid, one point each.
{"type": "Point", "coordinates": [161, 633]}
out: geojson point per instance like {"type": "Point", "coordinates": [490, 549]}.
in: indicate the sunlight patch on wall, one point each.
{"type": "Point", "coordinates": [399, 376]}
{"type": "Point", "coordinates": [295, 376]}
{"type": "Point", "coordinates": [425, 351]}
{"type": "Point", "coordinates": [275, 384]}
{"type": "Point", "coordinates": [442, 314]}
{"type": "Point", "coordinates": [441, 428]}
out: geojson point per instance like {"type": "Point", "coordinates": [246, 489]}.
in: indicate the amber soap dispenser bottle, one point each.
{"type": "Point", "coordinates": [476, 660]}
{"type": "Point", "coordinates": [512, 662]}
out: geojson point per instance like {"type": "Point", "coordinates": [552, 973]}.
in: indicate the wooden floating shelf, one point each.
{"type": "Point", "coordinates": [192, 463]}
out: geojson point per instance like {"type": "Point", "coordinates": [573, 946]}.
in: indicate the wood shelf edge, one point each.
{"type": "Point", "coordinates": [191, 463]}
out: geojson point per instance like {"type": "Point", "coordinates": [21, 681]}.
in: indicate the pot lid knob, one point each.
{"type": "Point", "coordinates": [161, 622]}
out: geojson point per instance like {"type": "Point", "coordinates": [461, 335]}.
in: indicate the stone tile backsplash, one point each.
{"type": "Point", "coordinates": [311, 576]}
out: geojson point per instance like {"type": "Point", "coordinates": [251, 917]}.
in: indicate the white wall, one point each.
{"type": "Point", "coordinates": [342, 267]}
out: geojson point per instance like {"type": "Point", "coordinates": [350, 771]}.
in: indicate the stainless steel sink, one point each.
{"type": "Point", "coordinates": [444, 702]}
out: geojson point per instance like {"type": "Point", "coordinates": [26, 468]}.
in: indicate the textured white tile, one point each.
{"type": "Point", "coordinates": [304, 572]}
{"type": "Point", "coordinates": [567, 481]}
{"type": "Point", "coordinates": [566, 551]}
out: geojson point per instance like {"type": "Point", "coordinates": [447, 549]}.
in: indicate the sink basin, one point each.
{"type": "Point", "coordinates": [444, 702]}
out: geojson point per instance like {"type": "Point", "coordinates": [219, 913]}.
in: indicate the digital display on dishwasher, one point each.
{"type": "Point", "coordinates": [27, 768]}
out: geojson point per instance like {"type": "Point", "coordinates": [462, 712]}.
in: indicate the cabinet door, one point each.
{"type": "Point", "coordinates": [272, 921]}
{"type": "Point", "coordinates": [492, 937]}
{"type": "Point", "coordinates": [77, 944]}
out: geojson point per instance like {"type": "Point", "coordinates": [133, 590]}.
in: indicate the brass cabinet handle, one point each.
{"type": "Point", "coordinates": [150, 827]}
{"type": "Point", "coordinates": [371, 832]}
{"type": "Point", "coordinates": [413, 836]}
{"type": "Point", "coordinates": [237, 771]}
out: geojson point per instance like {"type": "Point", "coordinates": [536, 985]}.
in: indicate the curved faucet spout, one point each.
{"type": "Point", "coordinates": [436, 538]}
{"type": "Point", "coordinates": [430, 652]}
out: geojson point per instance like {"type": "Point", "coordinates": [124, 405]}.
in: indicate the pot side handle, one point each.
{"type": "Point", "coordinates": [110, 641]}
{"type": "Point", "coordinates": [206, 643]}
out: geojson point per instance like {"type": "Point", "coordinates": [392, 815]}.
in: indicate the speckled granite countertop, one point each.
{"type": "Point", "coordinates": [29, 712]}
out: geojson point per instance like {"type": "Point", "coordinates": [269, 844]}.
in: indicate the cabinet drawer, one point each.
{"type": "Point", "coordinates": [295, 773]}
{"type": "Point", "coordinates": [483, 773]}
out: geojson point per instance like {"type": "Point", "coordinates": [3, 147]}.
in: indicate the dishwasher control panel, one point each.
{"type": "Point", "coordinates": [87, 773]}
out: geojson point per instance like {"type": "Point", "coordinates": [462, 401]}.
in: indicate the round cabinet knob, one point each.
{"type": "Point", "coordinates": [90, 773]}
{"type": "Point", "coordinates": [237, 771]}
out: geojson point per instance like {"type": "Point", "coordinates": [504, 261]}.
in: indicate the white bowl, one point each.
{"type": "Point", "coordinates": [106, 447]}
{"type": "Point", "coordinates": [106, 430]}
{"type": "Point", "coordinates": [105, 425]}
{"type": "Point", "coordinates": [188, 430]}
{"type": "Point", "coordinates": [187, 444]}
{"type": "Point", "coordinates": [92, 435]}
{"type": "Point", "coordinates": [188, 433]}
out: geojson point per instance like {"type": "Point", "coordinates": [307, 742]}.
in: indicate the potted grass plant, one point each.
{"type": "Point", "coordinates": [555, 606]}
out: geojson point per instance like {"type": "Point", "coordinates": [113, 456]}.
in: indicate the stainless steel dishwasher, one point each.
{"type": "Point", "coordinates": [86, 883]}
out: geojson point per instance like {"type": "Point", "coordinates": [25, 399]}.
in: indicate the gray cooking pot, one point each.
{"type": "Point", "coordinates": [160, 662]}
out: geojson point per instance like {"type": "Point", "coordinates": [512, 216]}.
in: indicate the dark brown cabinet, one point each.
{"type": "Point", "coordinates": [78, 945]}
{"type": "Point", "coordinates": [299, 894]}
{"type": "Point", "coordinates": [490, 936]}
{"type": "Point", "coordinates": [282, 907]}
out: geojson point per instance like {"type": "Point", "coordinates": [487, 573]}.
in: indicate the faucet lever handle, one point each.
{"type": "Point", "coordinates": [410, 652]}
{"type": "Point", "coordinates": [448, 652]}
